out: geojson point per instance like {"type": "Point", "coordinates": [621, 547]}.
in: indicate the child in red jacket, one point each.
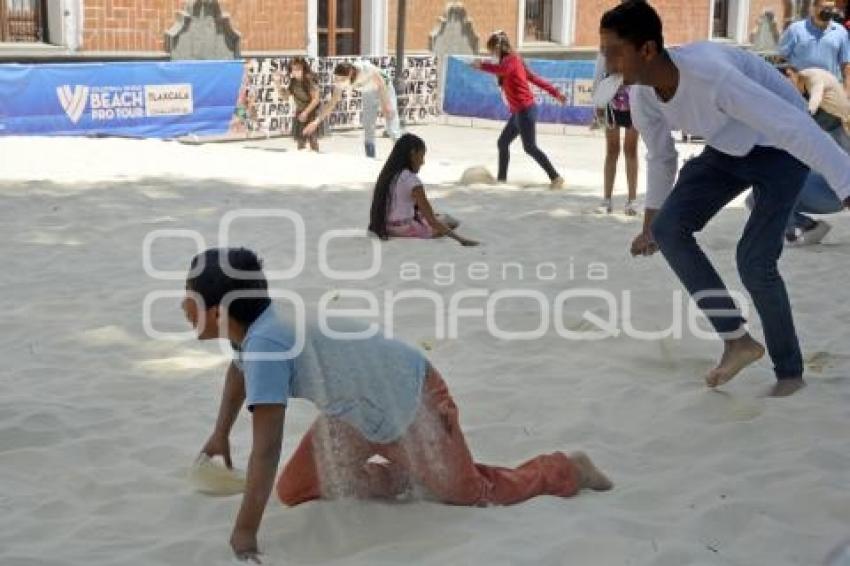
{"type": "Point", "coordinates": [514, 79]}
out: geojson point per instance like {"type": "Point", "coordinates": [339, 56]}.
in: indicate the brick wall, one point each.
{"type": "Point", "coordinates": [423, 16]}
{"type": "Point", "coordinates": [140, 25]}
{"type": "Point", "coordinates": [778, 7]}
{"type": "Point", "coordinates": [683, 20]}
{"type": "Point", "coordinates": [280, 25]}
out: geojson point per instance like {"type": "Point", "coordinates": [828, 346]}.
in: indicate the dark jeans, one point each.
{"type": "Point", "coordinates": [705, 185]}
{"type": "Point", "coordinates": [522, 124]}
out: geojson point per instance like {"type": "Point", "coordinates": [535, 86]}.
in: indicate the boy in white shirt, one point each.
{"type": "Point", "coordinates": [375, 87]}
{"type": "Point", "coordinates": [758, 134]}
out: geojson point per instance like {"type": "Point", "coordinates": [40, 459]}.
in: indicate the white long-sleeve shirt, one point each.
{"type": "Point", "coordinates": [735, 101]}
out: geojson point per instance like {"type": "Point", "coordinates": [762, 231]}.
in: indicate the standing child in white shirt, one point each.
{"type": "Point", "coordinates": [400, 207]}
{"type": "Point", "coordinates": [377, 90]}
{"type": "Point", "coordinates": [758, 134]}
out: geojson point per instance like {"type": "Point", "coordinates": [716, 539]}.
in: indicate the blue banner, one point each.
{"type": "Point", "coordinates": [473, 93]}
{"type": "Point", "coordinates": [145, 99]}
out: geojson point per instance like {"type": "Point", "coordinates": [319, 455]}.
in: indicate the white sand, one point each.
{"type": "Point", "coordinates": [98, 423]}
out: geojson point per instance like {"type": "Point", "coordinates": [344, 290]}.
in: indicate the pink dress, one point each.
{"type": "Point", "coordinates": [403, 220]}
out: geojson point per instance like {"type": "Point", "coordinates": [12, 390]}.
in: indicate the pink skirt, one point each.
{"type": "Point", "coordinates": [413, 228]}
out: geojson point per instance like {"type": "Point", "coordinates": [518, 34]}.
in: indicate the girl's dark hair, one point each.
{"type": "Point", "coordinates": [208, 278]}
{"type": "Point", "coordinates": [343, 69]}
{"type": "Point", "coordinates": [398, 161]}
{"type": "Point", "coordinates": [636, 22]}
{"type": "Point", "coordinates": [499, 41]}
{"type": "Point", "coordinates": [305, 66]}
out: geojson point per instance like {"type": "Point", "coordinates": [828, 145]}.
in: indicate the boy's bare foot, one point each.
{"type": "Point", "coordinates": [557, 183]}
{"type": "Point", "coordinates": [589, 475]}
{"type": "Point", "coordinates": [786, 387]}
{"type": "Point", "coordinates": [737, 354]}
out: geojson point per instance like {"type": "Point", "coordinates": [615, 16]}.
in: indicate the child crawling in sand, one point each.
{"type": "Point", "coordinates": [376, 397]}
{"type": "Point", "coordinates": [400, 208]}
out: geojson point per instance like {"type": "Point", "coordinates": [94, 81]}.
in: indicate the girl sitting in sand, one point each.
{"type": "Point", "coordinates": [400, 208]}
{"type": "Point", "coordinates": [376, 397]}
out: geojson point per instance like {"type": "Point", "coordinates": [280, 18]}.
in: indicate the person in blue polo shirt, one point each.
{"type": "Point", "coordinates": [818, 41]}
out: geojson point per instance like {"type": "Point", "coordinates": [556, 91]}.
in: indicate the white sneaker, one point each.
{"type": "Point", "coordinates": [631, 208]}
{"type": "Point", "coordinates": [605, 207]}
{"type": "Point", "coordinates": [812, 236]}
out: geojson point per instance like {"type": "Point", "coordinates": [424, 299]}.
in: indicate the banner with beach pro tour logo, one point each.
{"type": "Point", "coordinates": [195, 98]}
{"type": "Point", "coordinates": [144, 99]}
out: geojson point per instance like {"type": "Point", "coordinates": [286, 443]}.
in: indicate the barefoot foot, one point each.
{"type": "Point", "coordinates": [557, 183]}
{"type": "Point", "coordinates": [737, 354]}
{"type": "Point", "coordinates": [589, 475]}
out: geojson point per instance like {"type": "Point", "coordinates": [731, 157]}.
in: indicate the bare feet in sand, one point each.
{"type": "Point", "coordinates": [786, 387]}
{"type": "Point", "coordinates": [737, 354]}
{"type": "Point", "coordinates": [589, 475]}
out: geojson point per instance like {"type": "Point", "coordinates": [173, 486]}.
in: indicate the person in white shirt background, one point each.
{"type": "Point", "coordinates": [732, 99]}
{"type": "Point", "coordinates": [376, 88]}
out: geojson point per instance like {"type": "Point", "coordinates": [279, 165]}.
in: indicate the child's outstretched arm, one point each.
{"type": "Point", "coordinates": [231, 402]}
{"type": "Point", "coordinates": [324, 112]}
{"type": "Point", "coordinates": [502, 68]}
{"type": "Point", "coordinates": [315, 99]}
{"type": "Point", "coordinates": [440, 229]}
{"type": "Point", "coordinates": [262, 466]}
{"type": "Point", "coordinates": [540, 82]}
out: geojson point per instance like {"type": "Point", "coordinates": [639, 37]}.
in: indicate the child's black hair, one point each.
{"type": "Point", "coordinates": [636, 22]}
{"type": "Point", "coordinates": [305, 67]}
{"type": "Point", "coordinates": [398, 161]}
{"type": "Point", "coordinates": [344, 69]}
{"type": "Point", "coordinates": [214, 284]}
{"type": "Point", "coordinates": [499, 41]}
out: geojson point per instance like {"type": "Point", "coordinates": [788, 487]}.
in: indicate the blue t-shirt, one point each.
{"type": "Point", "coordinates": [806, 46]}
{"type": "Point", "coordinates": [373, 384]}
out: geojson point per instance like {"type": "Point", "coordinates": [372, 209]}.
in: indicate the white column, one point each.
{"type": "Point", "coordinates": [520, 25]}
{"type": "Point", "coordinates": [74, 24]}
{"type": "Point", "coordinates": [564, 21]}
{"type": "Point", "coordinates": [740, 24]}
{"type": "Point", "coordinates": [312, 28]}
{"type": "Point", "coordinates": [373, 28]}
{"type": "Point", "coordinates": [56, 23]}
{"type": "Point", "coordinates": [710, 19]}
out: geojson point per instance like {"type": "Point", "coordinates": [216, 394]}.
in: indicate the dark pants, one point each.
{"type": "Point", "coordinates": [706, 184]}
{"type": "Point", "coordinates": [522, 124]}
